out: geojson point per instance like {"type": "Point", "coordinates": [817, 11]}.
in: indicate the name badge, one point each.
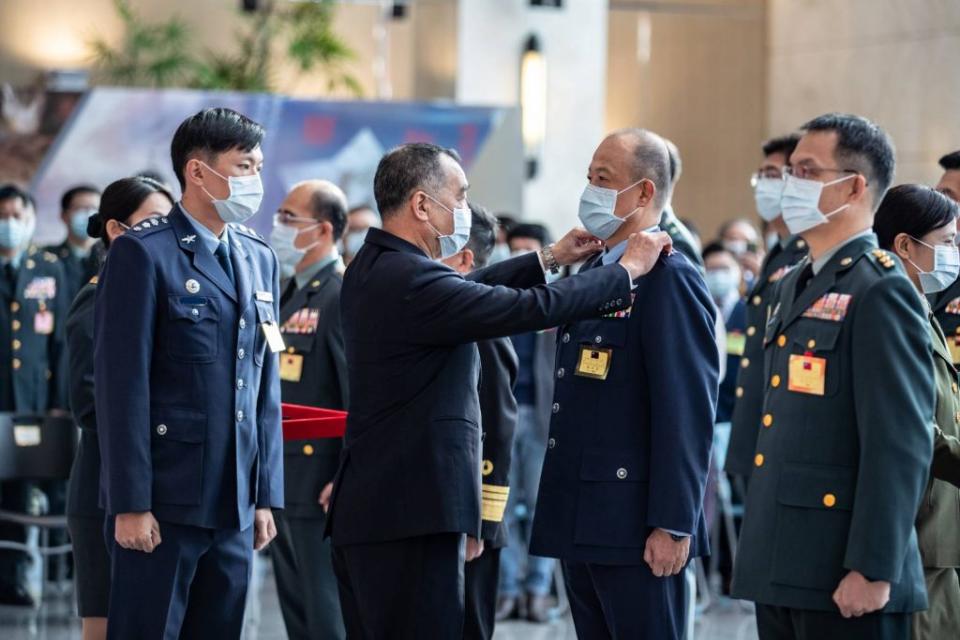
{"type": "Point", "coordinates": [264, 296]}
{"type": "Point", "coordinates": [291, 367]}
{"type": "Point", "coordinates": [43, 323]}
{"type": "Point", "coordinates": [736, 343]}
{"type": "Point", "coordinates": [594, 362]}
{"type": "Point", "coordinates": [272, 333]}
{"type": "Point", "coordinates": [807, 374]}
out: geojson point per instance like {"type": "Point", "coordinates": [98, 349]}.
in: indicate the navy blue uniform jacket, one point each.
{"type": "Point", "coordinates": [187, 393]}
{"type": "Point", "coordinates": [411, 459]}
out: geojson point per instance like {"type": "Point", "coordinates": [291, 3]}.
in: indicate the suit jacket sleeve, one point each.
{"type": "Point", "coordinates": [498, 408]}
{"type": "Point", "coordinates": [270, 429]}
{"type": "Point", "coordinates": [680, 355]}
{"type": "Point", "coordinates": [891, 338]}
{"type": "Point", "coordinates": [946, 457]}
{"type": "Point", "coordinates": [446, 309]}
{"type": "Point", "coordinates": [520, 272]}
{"type": "Point", "coordinates": [123, 345]}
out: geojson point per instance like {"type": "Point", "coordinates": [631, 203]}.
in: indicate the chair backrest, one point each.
{"type": "Point", "coordinates": [36, 447]}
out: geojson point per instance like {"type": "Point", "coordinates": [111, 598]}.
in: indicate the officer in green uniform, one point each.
{"type": "Point", "coordinates": [33, 308]}
{"type": "Point", "coordinates": [79, 254]}
{"type": "Point", "coordinates": [683, 240]}
{"type": "Point", "coordinates": [946, 304]}
{"type": "Point", "coordinates": [767, 185]}
{"type": "Point", "coordinates": [828, 547]}
{"type": "Point", "coordinates": [313, 372]}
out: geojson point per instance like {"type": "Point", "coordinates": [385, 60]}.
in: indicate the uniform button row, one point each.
{"type": "Point", "coordinates": [16, 325]}
{"type": "Point", "coordinates": [241, 353]}
{"type": "Point", "coordinates": [240, 383]}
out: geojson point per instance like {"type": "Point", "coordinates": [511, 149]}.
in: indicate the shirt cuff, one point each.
{"type": "Point", "coordinates": [633, 285]}
{"type": "Point", "coordinates": [543, 267]}
{"type": "Point", "coordinates": [679, 534]}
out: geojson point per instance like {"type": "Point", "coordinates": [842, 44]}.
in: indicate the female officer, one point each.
{"type": "Point", "coordinates": [124, 204]}
{"type": "Point", "coordinates": [920, 226]}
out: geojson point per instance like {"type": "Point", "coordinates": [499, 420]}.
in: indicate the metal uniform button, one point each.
{"type": "Point", "coordinates": [239, 383]}
{"type": "Point", "coordinates": [16, 345]}
{"type": "Point", "coordinates": [768, 420]}
{"type": "Point", "coordinates": [556, 407]}
{"type": "Point", "coordinates": [811, 344]}
{"type": "Point", "coordinates": [829, 500]}
{"type": "Point", "coordinates": [598, 339]}
{"type": "Point", "coordinates": [195, 312]}
{"type": "Point", "coordinates": [739, 392]}
{"type": "Point", "coordinates": [14, 306]}
{"type": "Point", "coordinates": [551, 443]}
{"type": "Point", "coordinates": [619, 300]}
{"type": "Point", "coordinates": [775, 381]}
{"type": "Point", "coordinates": [782, 341]}
{"type": "Point", "coordinates": [751, 331]}
{"type": "Point", "coordinates": [16, 364]}
{"type": "Point", "coordinates": [756, 301]}
{"type": "Point", "coordinates": [745, 362]}
{"type": "Point", "coordinates": [161, 429]}
{"type": "Point", "coordinates": [566, 337]}
{"type": "Point", "coordinates": [243, 323]}
{"type": "Point", "coordinates": [621, 473]}
{"type": "Point", "coordinates": [307, 450]}
{"type": "Point", "coordinates": [758, 460]}
{"type": "Point", "coordinates": [241, 353]}
{"type": "Point", "coordinates": [240, 416]}
{"type": "Point", "coordinates": [560, 372]}
{"type": "Point", "coordinates": [16, 325]}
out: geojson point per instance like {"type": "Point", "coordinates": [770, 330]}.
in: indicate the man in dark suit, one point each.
{"type": "Point", "coordinates": [33, 309]}
{"type": "Point", "coordinates": [498, 411]}
{"type": "Point", "coordinates": [313, 371]}
{"type": "Point", "coordinates": [621, 502]}
{"type": "Point", "coordinates": [828, 547]}
{"type": "Point", "coordinates": [946, 304]}
{"type": "Point", "coordinates": [789, 250]}
{"type": "Point", "coordinates": [406, 505]}
{"type": "Point", "coordinates": [188, 393]}
{"type": "Point", "coordinates": [78, 253]}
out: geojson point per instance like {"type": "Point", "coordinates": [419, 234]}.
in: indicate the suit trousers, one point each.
{"type": "Point", "coordinates": [403, 589]}
{"type": "Point", "coordinates": [193, 585]}
{"type": "Point", "coordinates": [625, 602]}
{"type": "Point", "coordinates": [782, 623]}
{"type": "Point", "coordinates": [481, 577]}
{"type": "Point", "coordinates": [306, 584]}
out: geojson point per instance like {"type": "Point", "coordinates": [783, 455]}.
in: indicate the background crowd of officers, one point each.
{"type": "Point", "coordinates": [830, 369]}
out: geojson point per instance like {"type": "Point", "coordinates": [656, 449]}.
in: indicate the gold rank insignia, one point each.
{"type": "Point", "coordinates": [493, 502]}
{"type": "Point", "coordinates": [883, 258]}
{"type": "Point", "coordinates": [807, 374]}
{"type": "Point", "coordinates": [291, 367]}
{"type": "Point", "coordinates": [594, 362]}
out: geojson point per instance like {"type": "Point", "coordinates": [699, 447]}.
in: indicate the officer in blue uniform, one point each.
{"type": "Point", "coordinates": [621, 495]}
{"type": "Point", "coordinates": [828, 547]}
{"type": "Point", "coordinates": [33, 307]}
{"type": "Point", "coordinates": [188, 394]}
{"type": "Point", "coordinates": [406, 505]}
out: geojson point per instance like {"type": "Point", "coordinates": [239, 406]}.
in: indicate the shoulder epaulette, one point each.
{"type": "Point", "coordinates": [150, 224]}
{"type": "Point", "coordinates": [883, 258]}
{"type": "Point", "coordinates": [247, 231]}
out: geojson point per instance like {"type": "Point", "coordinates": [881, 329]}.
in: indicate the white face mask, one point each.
{"type": "Point", "coordinates": [736, 247]}
{"type": "Point", "coordinates": [283, 239]}
{"type": "Point", "coordinates": [801, 203]}
{"type": "Point", "coordinates": [353, 242]}
{"type": "Point", "coordinates": [767, 196]}
{"type": "Point", "coordinates": [246, 194]}
{"type": "Point", "coordinates": [722, 282]}
{"type": "Point", "coordinates": [597, 206]}
{"type": "Point", "coordinates": [456, 241]}
{"type": "Point", "coordinates": [946, 267]}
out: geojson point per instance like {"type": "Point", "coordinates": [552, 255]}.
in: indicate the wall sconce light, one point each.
{"type": "Point", "coordinates": [533, 102]}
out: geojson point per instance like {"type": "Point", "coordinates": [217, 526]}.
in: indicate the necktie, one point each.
{"type": "Point", "coordinates": [223, 257]}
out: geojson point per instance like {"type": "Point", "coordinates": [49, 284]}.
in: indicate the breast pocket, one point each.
{"type": "Point", "coordinates": [193, 334]}
{"type": "Point", "coordinates": [612, 500]}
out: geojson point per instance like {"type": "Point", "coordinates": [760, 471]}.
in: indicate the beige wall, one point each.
{"type": "Point", "coordinates": [703, 87]}
{"type": "Point", "coordinates": [890, 60]}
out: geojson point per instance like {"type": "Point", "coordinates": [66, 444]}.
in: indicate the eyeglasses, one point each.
{"type": "Point", "coordinates": [289, 218]}
{"type": "Point", "coordinates": [770, 173]}
{"type": "Point", "coordinates": [805, 172]}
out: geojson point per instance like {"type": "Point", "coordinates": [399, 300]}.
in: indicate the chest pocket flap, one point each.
{"type": "Point", "coordinates": [193, 334]}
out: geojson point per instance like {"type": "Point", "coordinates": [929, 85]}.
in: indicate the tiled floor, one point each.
{"type": "Point", "coordinates": [55, 621]}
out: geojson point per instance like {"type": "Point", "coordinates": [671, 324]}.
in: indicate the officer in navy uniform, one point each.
{"type": "Point", "coordinates": [498, 410]}
{"type": "Point", "coordinates": [828, 547]}
{"type": "Point", "coordinates": [621, 502]}
{"type": "Point", "coordinates": [79, 254]}
{"type": "Point", "coordinates": [946, 304]}
{"type": "Point", "coordinates": [313, 371]}
{"type": "Point", "coordinates": [789, 250]}
{"type": "Point", "coordinates": [188, 394]}
{"type": "Point", "coordinates": [33, 307]}
{"type": "Point", "coordinates": [406, 505]}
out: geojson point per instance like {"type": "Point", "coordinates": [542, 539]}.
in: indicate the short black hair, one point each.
{"type": "Point", "coordinates": [862, 146]}
{"type": "Point", "coordinates": [533, 230]}
{"type": "Point", "coordinates": [913, 209]}
{"type": "Point", "coordinates": [715, 247]}
{"type": "Point", "coordinates": [120, 200]}
{"type": "Point", "coordinates": [483, 234]}
{"type": "Point", "coordinates": [506, 221]}
{"type": "Point", "coordinates": [405, 169]}
{"type": "Point", "coordinates": [781, 144]}
{"type": "Point", "coordinates": [951, 161]}
{"type": "Point", "coordinates": [73, 192]}
{"type": "Point", "coordinates": [212, 132]}
{"type": "Point", "coordinates": [11, 191]}
{"type": "Point", "coordinates": [329, 207]}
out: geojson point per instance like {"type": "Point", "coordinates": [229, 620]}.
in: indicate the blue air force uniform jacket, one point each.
{"type": "Point", "coordinates": [411, 464]}
{"type": "Point", "coordinates": [187, 391]}
{"type": "Point", "coordinates": [846, 436]}
{"type": "Point", "coordinates": [629, 452]}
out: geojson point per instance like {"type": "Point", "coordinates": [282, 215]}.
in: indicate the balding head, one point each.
{"type": "Point", "coordinates": [637, 154]}
{"type": "Point", "coordinates": [320, 200]}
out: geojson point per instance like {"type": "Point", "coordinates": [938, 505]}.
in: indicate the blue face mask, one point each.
{"type": "Point", "coordinates": [78, 222]}
{"type": "Point", "coordinates": [597, 206]}
{"type": "Point", "coordinates": [14, 233]}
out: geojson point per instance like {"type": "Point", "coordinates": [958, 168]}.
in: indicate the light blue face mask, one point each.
{"type": "Point", "coordinates": [946, 267]}
{"type": "Point", "coordinates": [14, 233]}
{"type": "Point", "coordinates": [767, 195]}
{"type": "Point", "coordinates": [78, 222]}
{"type": "Point", "coordinates": [597, 206]}
{"type": "Point", "coordinates": [353, 242]}
{"type": "Point", "coordinates": [800, 203]}
{"type": "Point", "coordinates": [453, 243]}
{"type": "Point", "coordinates": [721, 282]}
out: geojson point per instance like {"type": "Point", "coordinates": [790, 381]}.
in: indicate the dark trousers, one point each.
{"type": "Point", "coordinates": [481, 578]}
{"type": "Point", "coordinates": [625, 602]}
{"type": "Point", "coordinates": [781, 623]}
{"type": "Point", "coordinates": [411, 588]}
{"type": "Point", "coordinates": [193, 585]}
{"type": "Point", "coordinates": [306, 584]}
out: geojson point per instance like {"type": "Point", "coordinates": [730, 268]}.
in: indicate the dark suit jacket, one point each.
{"type": "Point", "coordinates": [411, 461]}
{"type": "Point", "coordinates": [84, 487]}
{"type": "Point", "coordinates": [630, 453]}
{"type": "Point", "coordinates": [187, 393]}
{"type": "Point", "coordinates": [318, 351]}
{"type": "Point", "coordinates": [498, 412]}
{"type": "Point", "coordinates": [843, 458]}
{"type": "Point", "coordinates": [77, 271]}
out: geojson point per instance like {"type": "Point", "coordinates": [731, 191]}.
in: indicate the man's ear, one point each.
{"type": "Point", "coordinates": [467, 260]}
{"type": "Point", "coordinates": [193, 171]}
{"type": "Point", "coordinates": [416, 203]}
